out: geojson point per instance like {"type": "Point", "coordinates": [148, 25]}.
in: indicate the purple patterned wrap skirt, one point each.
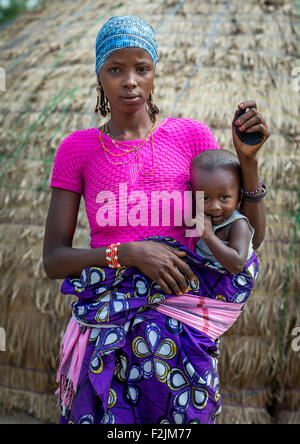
{"type": "Point", "coordinates": [141, 366]}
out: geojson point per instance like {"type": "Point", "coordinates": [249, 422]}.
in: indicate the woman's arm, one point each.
{"type": "Point", "coordinates": [255, 211]}
{"type": "Point", "coordinates": [251, 121]}
{"type": "Point", "coordinates": [156, 260]}
{"type": "Point", "coordinates": [59, 258]}
{"type": "Point", "coordinates": [232, 256]}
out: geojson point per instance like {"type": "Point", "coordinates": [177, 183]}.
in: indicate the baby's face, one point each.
{"type": "Point", "coordinates": [221, 188]}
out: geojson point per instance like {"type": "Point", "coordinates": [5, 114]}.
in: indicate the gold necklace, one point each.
{"type": "Point", "coordinates": [116, 163]}
{"type": "Point", "coordinates": [118, 143]}
{"type": "Point", "coordinates": [134, 149]}
{"type": "Point", "coordinates": [113, 154]}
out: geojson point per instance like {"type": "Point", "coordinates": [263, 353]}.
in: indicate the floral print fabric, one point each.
{"type": "Point", "coordinates": [140, 366]}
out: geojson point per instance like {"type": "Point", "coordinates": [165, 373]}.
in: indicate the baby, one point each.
{"type": "Point", "coordinates": [226, 265]}
{"type": "Point", "coordinates": [226, 240]}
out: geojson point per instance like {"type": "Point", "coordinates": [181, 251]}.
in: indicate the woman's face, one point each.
{"type": "Point", "coordinates": [127, 77]}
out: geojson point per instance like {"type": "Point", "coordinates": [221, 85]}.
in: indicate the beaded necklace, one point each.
{"type": "Point", "coordinates": [134, 149]}
{"type": "Point", "coordinates": [118, 144]}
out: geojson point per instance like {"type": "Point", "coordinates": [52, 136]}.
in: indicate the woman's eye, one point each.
{"type": "Point", "coordinates": [113, 69]}
{"type": "Point", "coordinates": [143, 69]}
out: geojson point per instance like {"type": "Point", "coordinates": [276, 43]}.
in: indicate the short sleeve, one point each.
{"type": "Point", "coordinates": [67, 168]}
{"type": "Point", "coordinates": [202, 138]}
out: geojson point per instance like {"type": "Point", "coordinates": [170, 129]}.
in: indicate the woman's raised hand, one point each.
{"type": "Point", "coordinates": [250, 122]}
{"type": "Point", "coordinates": [161, 262]}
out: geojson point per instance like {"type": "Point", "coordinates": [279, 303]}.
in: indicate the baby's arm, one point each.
{"type": "Point", "coordinates": [232, 256]}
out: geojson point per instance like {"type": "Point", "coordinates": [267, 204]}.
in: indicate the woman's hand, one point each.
{"type": "Point", "coordinates": [160, 262]}
{"type": "Point", "coordinates": [251, 121]}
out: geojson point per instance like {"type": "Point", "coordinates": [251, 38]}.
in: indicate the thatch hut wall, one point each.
{"type": "Point", "coordinates": [213, 54]}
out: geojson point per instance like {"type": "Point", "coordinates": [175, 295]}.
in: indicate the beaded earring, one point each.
{"type": "Point", "coordinates": [102, 101]}
{"type": "Point", "coordinates": [103, 107]}
{"type": "Point", "coordinates": [153, 110]}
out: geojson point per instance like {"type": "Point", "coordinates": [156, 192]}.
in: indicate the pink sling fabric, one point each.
{"type": "Point", "coordinates": [72, 352]}
{"type": "Point", "coordinates": [212, 317]}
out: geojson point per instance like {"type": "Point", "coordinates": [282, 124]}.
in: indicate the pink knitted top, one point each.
{"type": "Point", "coordinates": [124, 202]}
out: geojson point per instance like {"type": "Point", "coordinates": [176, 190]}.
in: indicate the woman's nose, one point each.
{"type": "Point", "coordinates": [129, 80]}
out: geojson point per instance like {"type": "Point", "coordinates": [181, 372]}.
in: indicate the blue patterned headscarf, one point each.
{"type": "Point", "coordinates": [124, 32]}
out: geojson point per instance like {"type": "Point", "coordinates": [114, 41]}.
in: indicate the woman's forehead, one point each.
{"type": "Point", "coordinates": [132, 54]}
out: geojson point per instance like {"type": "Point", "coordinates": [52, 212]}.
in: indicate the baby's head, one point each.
{"type": "Point", "coordinates": [218, 174]}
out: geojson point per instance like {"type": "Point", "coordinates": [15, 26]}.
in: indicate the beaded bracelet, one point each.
{"type": "Point", "coordinates": [257, 196]}
{"type": "Point", "coordinates": [261, 186]}
{"type": "Point", "coordinates": [112, 256]}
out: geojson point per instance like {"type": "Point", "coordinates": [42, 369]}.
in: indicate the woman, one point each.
{"type": "Point", "coordinates": [133, 155]}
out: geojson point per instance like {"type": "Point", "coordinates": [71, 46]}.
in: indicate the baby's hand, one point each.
{"type": "Point", "coordinates": [207, 228]}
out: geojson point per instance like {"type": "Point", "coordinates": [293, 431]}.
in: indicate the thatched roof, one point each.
{"type": "Point", "coordinates": [212, 56]}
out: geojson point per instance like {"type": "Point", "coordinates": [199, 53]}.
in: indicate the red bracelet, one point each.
{"type": "Point", "coordinates": [112, 256]}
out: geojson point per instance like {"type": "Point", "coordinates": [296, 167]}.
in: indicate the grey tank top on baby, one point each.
{"type": "Point", "coordinates": [203, 250]}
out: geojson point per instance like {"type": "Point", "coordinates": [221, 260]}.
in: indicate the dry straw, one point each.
{"type": "Point", "coordinates": [213, 55]}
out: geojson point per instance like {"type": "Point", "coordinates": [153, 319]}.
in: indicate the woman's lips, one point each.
{"type": "Point", "coordinates": [132, 99]}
